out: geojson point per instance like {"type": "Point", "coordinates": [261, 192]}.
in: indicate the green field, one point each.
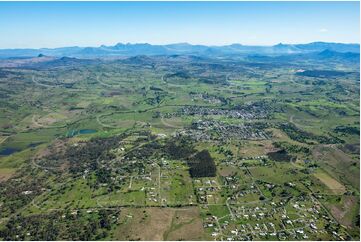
{"type": "Point", "coordinates": [180, 148]}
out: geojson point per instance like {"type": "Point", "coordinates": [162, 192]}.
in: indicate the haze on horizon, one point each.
{"type": "Point", "coordinates": [60, 24]}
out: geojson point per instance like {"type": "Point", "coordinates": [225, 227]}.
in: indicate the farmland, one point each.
{"type": "Point", "coordinates": [179, 147]}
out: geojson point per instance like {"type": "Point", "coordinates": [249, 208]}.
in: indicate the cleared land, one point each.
{"type": "Point", "coordinates": [180, 148]}
{"type": "Point", "coordinates": [330, 182]}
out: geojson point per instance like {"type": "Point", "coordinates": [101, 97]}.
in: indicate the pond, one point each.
{"type": "Point", "coordinates": [8, 151]}
{"type": "Point", "coordinates": [32, 145]}
{"type": "Point", "coordinates": [87, 131]}
{"type": "Point", "coordinates": [72, 133]}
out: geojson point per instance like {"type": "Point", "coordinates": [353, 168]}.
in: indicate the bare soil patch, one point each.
{"type": "Point", "coordinates": [335, 186]}
{"type": "Point", "coordinates": [6, 173]}
{"type": "Point", "coordinates": [343, 211]}
{"type": "Point", "coordinates": [337, 163]}
{"type": "Point", "coordinates": [186, 225]}
{"type": "Point", "coordinates": [159, 224]}
{"type": "Point", "coordinates": [143, 223]}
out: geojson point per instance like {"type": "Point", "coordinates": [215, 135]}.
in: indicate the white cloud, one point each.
{"type": "Point", "coordinates": [323, 30]}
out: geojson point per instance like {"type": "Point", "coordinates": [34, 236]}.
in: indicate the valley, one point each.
{"type": "Point", "coordinates": [180, 147]}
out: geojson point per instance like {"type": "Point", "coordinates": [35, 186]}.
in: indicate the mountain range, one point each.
{"type": "Point", "coordinates": [120, 49]}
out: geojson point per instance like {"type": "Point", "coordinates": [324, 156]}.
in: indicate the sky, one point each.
{"type": "Point", "coordinates": [59, 24]}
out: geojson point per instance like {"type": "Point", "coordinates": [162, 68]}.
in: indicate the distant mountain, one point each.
{"type": "Point", "coordinates": [121, 49]}
{"type": "Point", "coordinates": [329, 54]}
{"type": "Point", "coordinates": [321, 46]}
{"type": "Point", "coordinates": [325, 55]}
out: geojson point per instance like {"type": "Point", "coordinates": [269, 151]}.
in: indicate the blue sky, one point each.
{"type": "Point", "coordinates": [56, 24]}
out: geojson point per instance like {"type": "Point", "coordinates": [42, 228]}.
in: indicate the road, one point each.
{"type": "Point", "coordinates": [168, 124]}
{"type": "Point", "coordinates": [4, 139]}
{"type": "Point", "coordinates": [105, 84]}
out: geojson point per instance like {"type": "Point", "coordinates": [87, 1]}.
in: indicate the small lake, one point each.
{"type": "Point", "coordinates": [32, 145]}
{"type": "Point", "coordinates": [8, 151]}
{"type": "Point", "coordinates": [87, 131]}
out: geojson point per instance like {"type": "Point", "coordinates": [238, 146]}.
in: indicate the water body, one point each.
{"type": "Point", "coordinates": [87, 131]}
{"type": "Point", "coordinates": [8, 151]}
{"type": "Point", "coordinates": [32, 145]}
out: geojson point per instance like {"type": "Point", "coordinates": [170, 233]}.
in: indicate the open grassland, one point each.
{"type": "Point", "coordinates": [6, 173]}
{"type": "Point", "coordinates": [179, 148]}
{"type": "Point", "coordinates": [330, 182]}
{"type": "Point", "coordinates": [338, 163]}
{"type": "Point", "coordinates": [160, 224]}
